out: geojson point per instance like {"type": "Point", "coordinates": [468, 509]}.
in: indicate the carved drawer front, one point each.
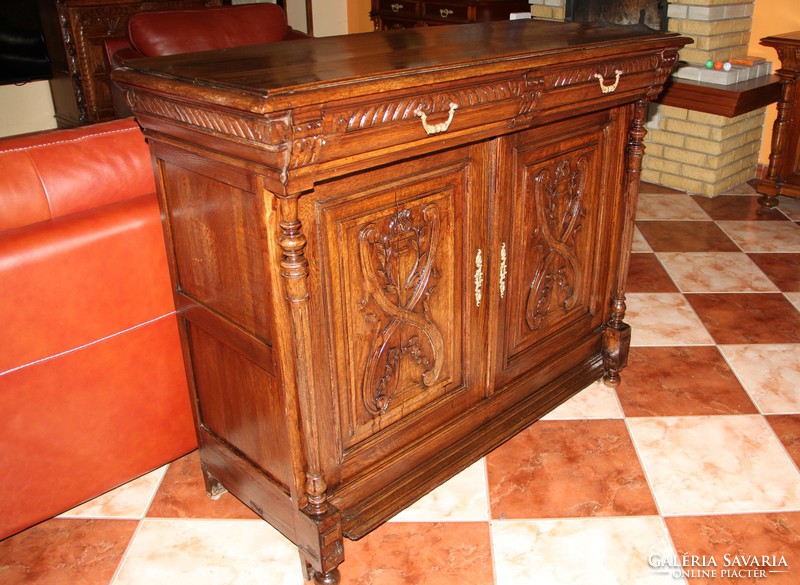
{"type": "Point", "coordinates": [447, 13]}
{"type": "Point", "coordinates": [398, 7]}
{"type": "Point", "coordinates": [601, 82]}
{"type": "Point", "coordinates": [440, 111]}
{"type": "Point", "coordinates": [552, 256]}
{"type": "Point", "coordinates": [400, 284]}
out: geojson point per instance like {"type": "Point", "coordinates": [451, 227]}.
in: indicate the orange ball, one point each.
{"type": "Point", "coordinates": [717, 65]}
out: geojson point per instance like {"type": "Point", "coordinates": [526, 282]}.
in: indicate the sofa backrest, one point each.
{"type": "Point", "coordinates": [46, 175]}
{"type": "Point", "coordinates": [170, 32]}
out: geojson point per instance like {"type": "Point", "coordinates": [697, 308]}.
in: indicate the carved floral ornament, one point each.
{"type": "Point", "coordinates": [397, 263]}
{"type": "Point", "coordinates": [558, 195]}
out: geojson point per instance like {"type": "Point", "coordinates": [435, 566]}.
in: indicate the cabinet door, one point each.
{"type": "Point", "coordinates": [557, 191]}
{"type": "Point", "coordinates": [400, 246]}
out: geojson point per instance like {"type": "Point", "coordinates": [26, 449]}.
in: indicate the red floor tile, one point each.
{"type": "Point", "coordinates": [400, 553]}
{"type": "Point", "coordinates": [747, 317]}
{"type": "Point", "coordinates": [782, 269]}
{"type": "Point", "coordinates": [738, 207]}
{"type": "Point", "coordinates": [773, 535]}
{"type": "Point", "coordinates": [787, 427]}
{"type": "Point", "coordinates": [182, 494]}
{"type": "Point", "coordinates": [65, 551]}
{"type": "Point", "coordinates": [647, 275]}
{"type": "Point", "coordinates": [557, 469]}
{"type": "Point", "coordinates": [680, 381]}
{"type": "Point", "coordinates": [686, 236]}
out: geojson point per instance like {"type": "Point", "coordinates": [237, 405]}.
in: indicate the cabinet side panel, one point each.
{"type": "Point", "coordinates": [241, 404]}
{"type": "Point", "coordinates": [217, 232]}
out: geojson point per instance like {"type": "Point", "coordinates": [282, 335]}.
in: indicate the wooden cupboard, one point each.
{"type": "Point", "coordinates": [783, 173]}
{"type": "Point", "coordinates": [391, 252]}
{"type": "Point", "coordinates": [387, 14]}
{"type": "Point", "coordinates": [74, 31]}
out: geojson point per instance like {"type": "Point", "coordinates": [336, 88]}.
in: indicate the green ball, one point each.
{"type": "Point", "coordinates": [709, 64]}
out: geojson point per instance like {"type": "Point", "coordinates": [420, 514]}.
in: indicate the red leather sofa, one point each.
{"type": "Point", "coordinates": [171, 32]}
{"type": "Point", "coordinates": [92, 386]}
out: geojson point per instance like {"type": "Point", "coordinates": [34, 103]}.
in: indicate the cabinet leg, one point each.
{"type": "Point", "coordinates": [332, 577]}
{"type": "Point", "coordinates": [214, 489]}
{"type": "Point", "coordinates": [616, 344]}
{"type": "Point", "coordinates": [768, 201]}
{"type": "Point", "coordinates": [615, 353]}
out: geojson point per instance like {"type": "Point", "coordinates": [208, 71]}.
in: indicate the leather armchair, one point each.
{"type": "Point", "coordinates": [171, 32]}
{"type": "Point", "coordinates": [92, 384]}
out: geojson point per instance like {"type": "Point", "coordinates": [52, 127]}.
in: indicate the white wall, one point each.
{"type": "Point", "coordinates": [26, 108]}
{"type": "Point", "coordinates": [29, 107]}
{"type": "Point", "coordinates": [330, 18]}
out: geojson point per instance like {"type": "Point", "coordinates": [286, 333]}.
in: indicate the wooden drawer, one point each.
{"type": "Point", "coordinates": [412, 119]}
{"type": "Point", "coordinates": [598, 84]}
{"type": "Point", "coordinates": [448, 13]}
{"type": "Point", "coordinates": [400, 8]}
{"type": "Point", "coordinates": [395, 119]}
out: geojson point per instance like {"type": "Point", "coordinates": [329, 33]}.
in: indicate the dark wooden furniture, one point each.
{"type": "Point", "coordinates": [722, 100]}
{"type": "Point", "coordinates": [783, 173]}
{"type": "Point", "coordinates": [388, 14]}
{"type": "Point", "coordinates": [392, 252]}
{"type": "Point", "coordinates": [74, 31]}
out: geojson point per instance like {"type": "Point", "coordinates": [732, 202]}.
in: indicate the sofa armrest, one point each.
{"type": "Point", "coordinates": [46, 175]}
{"type": "Point", "coordinates": [68, 282]}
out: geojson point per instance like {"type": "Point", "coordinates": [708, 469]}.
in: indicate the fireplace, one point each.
{"type": "Point", "coordinates": [649, 13]}
{"type": "Point", "coordinates": [690, 149]}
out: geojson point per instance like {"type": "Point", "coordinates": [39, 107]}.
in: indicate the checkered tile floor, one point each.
{"type": "Point", "coordinates": [696, 453]}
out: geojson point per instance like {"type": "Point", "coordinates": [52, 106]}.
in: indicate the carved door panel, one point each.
{"type": "Point", "coordinates": [556, 189]}
{"type": "Point", "coordinates": [400, 244]}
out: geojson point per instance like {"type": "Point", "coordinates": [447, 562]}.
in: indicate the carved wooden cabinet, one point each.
{"type": "Point", "coordinates": [783, 173]}
{"type": "Point", "coordinates": [387, 14]}
{"type": "Point", "coordinates": [74, 31]}
{"type": "Point", "coordinates": [392, 252]}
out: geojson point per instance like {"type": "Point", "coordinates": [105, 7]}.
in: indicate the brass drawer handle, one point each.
{"type": "Point", "coordinates": [445, 12]}
{"type": "Point", "coordinates": [436, 128]}
{"type": "Point", "coordinates": [608, 88]}
{"type": "Point", "coordinates": [397, 7]}
{"type": "Point", "coordinates": [478, 278]}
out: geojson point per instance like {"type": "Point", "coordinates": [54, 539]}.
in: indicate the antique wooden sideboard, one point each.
{"type": "Point", "coordinates": [393, 251]}
{"type": "Point", "coordinates": [74, 31]}
{"type": "Point", "coordinates": [387, 14]}
{"type": "Point", "coordinates": [783, 173]}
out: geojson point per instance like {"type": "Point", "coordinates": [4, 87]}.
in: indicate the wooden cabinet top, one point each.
{"type": "Point", "coordinates": [312, 109]}
{"type": "Point", "coordinates": [789, 39]}
{"type": "Point", "coordinates": [288, 75]}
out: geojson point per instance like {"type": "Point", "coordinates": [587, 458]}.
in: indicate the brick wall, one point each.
{"type": "Point", "coordinates": [697, 152]}
{"type": "Point", "coordinates": [702, 153]}
{"type": "Point", "coordinates": [548, 9]}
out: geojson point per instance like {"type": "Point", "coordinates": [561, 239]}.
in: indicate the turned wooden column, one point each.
{"type": "Point", "coordinates": [783, 174]}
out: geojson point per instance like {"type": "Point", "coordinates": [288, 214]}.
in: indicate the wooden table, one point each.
{"type": "Point", "coordinates": [783, 173]}
{"type": "Point", "coordinates": [393, 251]}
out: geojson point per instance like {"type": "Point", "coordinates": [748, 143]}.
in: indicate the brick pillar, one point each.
{"type": "Point", "coordinates": [694, 151]}
{"type": "Point", "coordinates": [549, 9]}
{"type": "Point", "coordinates": [702, 153]}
